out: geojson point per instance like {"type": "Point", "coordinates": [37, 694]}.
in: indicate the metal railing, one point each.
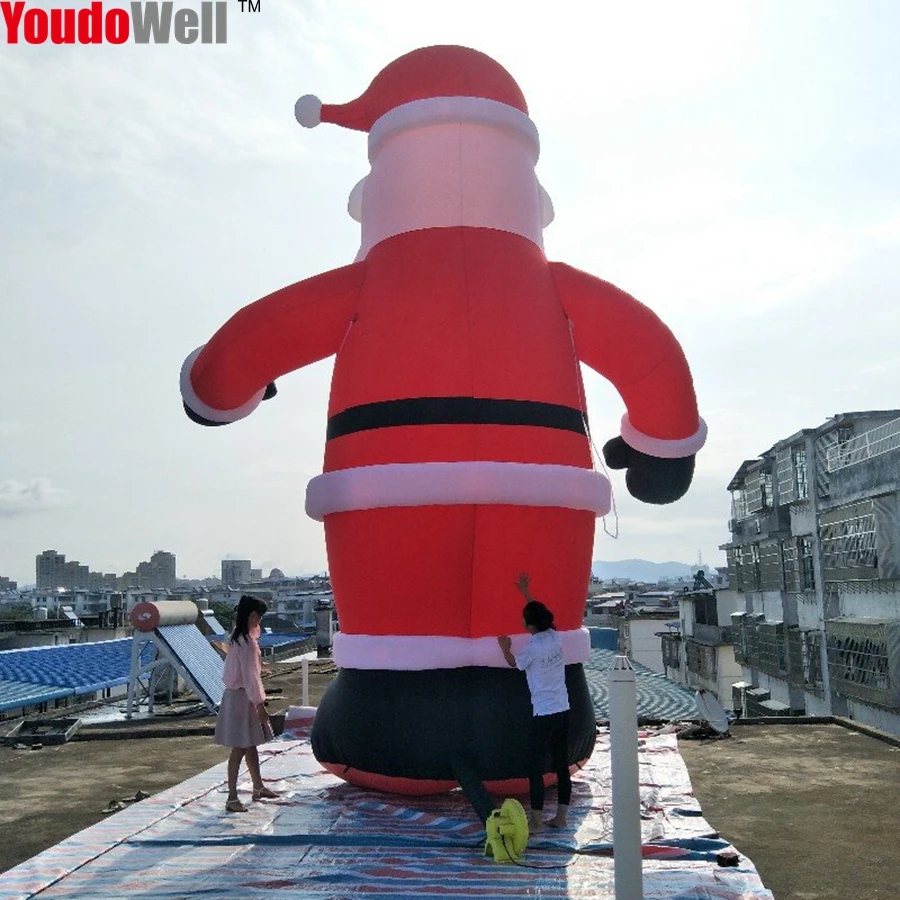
{"type": "Point", "coordinates": [870, 443]}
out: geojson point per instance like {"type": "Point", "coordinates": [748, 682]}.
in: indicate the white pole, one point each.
{"type": "Point", "coordinates": [304, 666]}
{"type": "Point", "coordinates": [133, 673]}
{"type": "Point", "coordinates": [626, 795]}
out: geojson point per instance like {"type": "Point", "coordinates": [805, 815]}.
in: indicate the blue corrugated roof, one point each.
{"type": "Point", "coordinates": [17, 694]}
{"type": "Point", "coordinates": [83, 667]}
{"type": "Point", "coordinates": [278, 640]}
{"type": "Point", "coordinates": [657, 696]}
{"type": "Point", "coordinates": [270, 640]}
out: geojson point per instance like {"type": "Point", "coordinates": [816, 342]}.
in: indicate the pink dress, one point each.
{"type": "Point", "coordinates": [237, 724]}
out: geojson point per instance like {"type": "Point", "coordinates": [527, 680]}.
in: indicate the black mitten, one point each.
{"type": "Point", "coordinates": [196, 417]}
{"type": "Point", "coordinates": [650, 479]}
{"type": "Point", "coordinates": [271, 391]}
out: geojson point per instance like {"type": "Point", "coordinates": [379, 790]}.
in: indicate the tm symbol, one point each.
{"type": "Point", "coordinates": [250, 5]}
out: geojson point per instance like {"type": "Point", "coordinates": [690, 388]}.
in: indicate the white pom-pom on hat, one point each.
{"type": "Point", "coordinates": [308, 111]}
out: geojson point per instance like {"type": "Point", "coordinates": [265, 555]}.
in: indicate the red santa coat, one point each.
{"type": "Point", "coordinates": [456, 452]}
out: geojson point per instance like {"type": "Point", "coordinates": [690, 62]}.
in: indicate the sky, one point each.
{"type": "Point", "coordinates": [734, 166]}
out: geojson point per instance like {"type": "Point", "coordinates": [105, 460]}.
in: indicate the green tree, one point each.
{"type": "Point", "coordinates": [224, 613]}
{"type": "Point", "coordinates": [16, 611]}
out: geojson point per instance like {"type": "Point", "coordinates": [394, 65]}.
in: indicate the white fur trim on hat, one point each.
{"type": "Point", "coordinates": [449, 110]}
{"type": "Point", "coordinates": [308, 111]}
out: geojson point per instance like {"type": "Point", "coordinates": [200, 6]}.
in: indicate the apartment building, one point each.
{"type": "Point", "coordinates": [235, 572]}
{"type": "Point", "coordinates": [699, 651]}
{"type": "Point", "coordinates": [814, 560]}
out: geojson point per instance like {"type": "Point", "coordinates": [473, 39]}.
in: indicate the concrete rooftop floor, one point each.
{"type": "Point", "coordinates": [815, 807]}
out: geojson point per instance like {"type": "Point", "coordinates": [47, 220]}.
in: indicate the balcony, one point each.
{"type": "Point", "coordinates": [865, 446]}
{"type": "Point", "coordinates": [711, 635]}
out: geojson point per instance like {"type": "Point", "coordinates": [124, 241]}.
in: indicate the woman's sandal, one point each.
{"type": "Point", "coordinates": [265, 793]}
{"type": "Point", "coordinates": [235, 806]}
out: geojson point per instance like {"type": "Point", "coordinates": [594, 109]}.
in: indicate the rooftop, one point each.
{"type": "Point", "coordinates": [814, 806]}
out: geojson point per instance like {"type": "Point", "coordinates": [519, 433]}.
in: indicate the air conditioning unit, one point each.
{"type": "Point", "coordinates": [755, 699]}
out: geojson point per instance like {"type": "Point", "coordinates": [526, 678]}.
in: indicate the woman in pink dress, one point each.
{"type": "Point", "coordinates": [243, 721]}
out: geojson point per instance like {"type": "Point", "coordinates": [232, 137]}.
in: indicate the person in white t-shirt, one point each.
{"type": "Point", "coordinates": [541, 659]}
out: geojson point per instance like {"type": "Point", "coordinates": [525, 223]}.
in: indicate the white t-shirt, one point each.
{"type": "Point", "coordinates": [541, 659]}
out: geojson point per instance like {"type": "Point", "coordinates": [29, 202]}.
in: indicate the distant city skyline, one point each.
{"type": "Point", "coordinates": [670, 568]}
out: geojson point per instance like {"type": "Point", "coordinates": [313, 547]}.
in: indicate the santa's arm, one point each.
{"type": "Point", "coordinates": [627, 343]}
{"type": "Point", "coordinates": [227, 378]}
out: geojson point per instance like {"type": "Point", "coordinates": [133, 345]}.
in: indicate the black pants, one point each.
{"type": "Point", "coordinates": [549, 733]}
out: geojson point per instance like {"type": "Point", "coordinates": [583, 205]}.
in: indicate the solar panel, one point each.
{"type": "Point", "coordinates": [213, 623]}
{"type": "Point", "coordinates": [203, 666]}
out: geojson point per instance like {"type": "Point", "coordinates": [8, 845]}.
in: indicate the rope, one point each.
{"type": "Point", "coordinates": [595, 454]}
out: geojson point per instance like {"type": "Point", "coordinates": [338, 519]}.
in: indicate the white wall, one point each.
{"type": "Point", "coordinates": [802, 520]}
{"type": "Point", "coordinates": [728, 672]}
{"type": "Point", "coordinates": [772, 606]}
{"type": "Point", "coordinates": [728, 602]}
{"type": "Point", "coordinates": [778, 690]}
{"type": "Point", "coordinates": [816, 706]}
{"type": "Point", "coordinates": [808, 613]}
{"type": "Point", "coordinates": [869, 605]}
{"type": "Point", "coordinates": [646, 647]}
{"type": "Point", "coordinates": [883, 719]}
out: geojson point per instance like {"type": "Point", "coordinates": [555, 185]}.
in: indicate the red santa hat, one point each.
{"type": "Point", "coordinates": [423, 74]}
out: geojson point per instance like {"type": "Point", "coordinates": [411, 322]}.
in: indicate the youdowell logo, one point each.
{"type": "Point", "coordinates": [145, 22]}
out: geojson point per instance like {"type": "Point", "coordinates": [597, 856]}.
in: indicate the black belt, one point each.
{"type": "Point", "coordinates": [454, 411]}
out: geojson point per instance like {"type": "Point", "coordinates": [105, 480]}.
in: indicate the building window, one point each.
{"type": "Point", "coordinates": [705, 611]}
{"type": "Point", "coordinates": [807, 571]}
{"type": "Point", "coordinates": [756, 568]}
{"type": "Point", "coordinates": [790, 565]}
{"type": "Point", "coordinates": [738, 506]}
{"type": "Point", "coordinates": [849, 546]}
{"type": "Point", "coordinates": [798, 458]}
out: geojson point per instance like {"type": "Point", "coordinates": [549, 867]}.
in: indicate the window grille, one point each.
{"type": "Point", "coordinates": [801, 481]}
{"type": "Point", "coordinates": [751, 638]}
{"type": "Point", "coordinates": [771, 648]}
{"type": "Point", "coordinates": [701, 659]}
{"type": "Point", "coordinates": [790, 565]}
{"type": "Point", "coordinates": [812, 660]}
{"type": "Point", "coordinates": [758, 492]}
{"type": "Point", "coordinates": [848, 539]}
{"type": "Point", "coordinates": [807, 567]}
{"type": "Point", "coordinates": [733, 558]}
{"type": "Point", "coordinates": [784, 476]}
{"type": "Point", "coordinates": [739, 506]}
{"type": "Point", "coordinates": [705, 610]}
{"type": "Point", "coordinates": [739, 636]}
{"type": "Point", "coordinates": [795, 655]}
{"type": "Point", "coordinates": [852, 450]}
{"type": "Point", "coordinates": [771, 577]}
{"type": "Point", "coordinates": [671, 652]}
{"type": "Point", "coordinates": [749, 573]}
{"type": "Point", "coordinates": [864, 659]}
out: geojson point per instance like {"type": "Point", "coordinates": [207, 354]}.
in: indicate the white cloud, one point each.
{"type": "Point", "coordinates": [36, 496]}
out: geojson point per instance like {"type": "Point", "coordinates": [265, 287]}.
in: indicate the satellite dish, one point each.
{"type": "Point", "coordinates": [712, 712]}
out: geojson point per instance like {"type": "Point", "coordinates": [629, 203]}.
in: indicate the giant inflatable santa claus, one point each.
{"type": "Point", "coordinates": [457, 450]}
